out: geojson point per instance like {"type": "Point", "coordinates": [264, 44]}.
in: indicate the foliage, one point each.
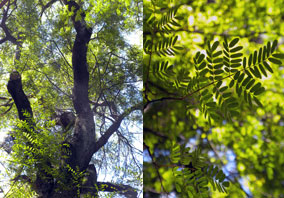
{"type": "Point", "coordinates": [207, 98]}
{"type": "Point", "coordinates": [192, 181]}
{"type": "Point", "coordinates": [32, 145]}
{"type": "Point", "coordinates": [45, 37]}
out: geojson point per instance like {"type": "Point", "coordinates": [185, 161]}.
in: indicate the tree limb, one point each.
{"type": "Point", "coordinates": [3, 3]}
{"type": "Point", "coordinates": [104, 138]}
{"type": "Point", "coordinates": [84, 132]}
{"type": "Point", "coordinates": [21, 100]}
{"type": "Point", "coordinates": [46, 6]}
{"type": "Point", "coordinates": [125, 190]}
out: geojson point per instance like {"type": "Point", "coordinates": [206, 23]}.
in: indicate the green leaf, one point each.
{"type": "Point", "coordinates": [223, 88]}
{"type": "Point", "coordinates": [236, 76]}
{"type": "Point", "coordinates": [254, 57]}
{"type": "Point", "coordinates": [257, 101]}
{"type": "Point", "coordinates": [219, 71]}
{"type": "Point", "coordinates": [226, 60]}
{"type": "Point", "coordinates": [245, 96]}
{"type": "Point", "coordinates": [236, 49]}
{"type": "Point", "coordinates": [218, 60]}
{"type": "Point", "coordinates": [255, 87]}
{"type": "Point", "coordinates": [281, 56]}
{"type": "Point", "coordinates": [226, 184]}
{"type": "Point", "coordinates": [236, 65]}
{"type": "Point", "coordinates": [274, 45]}
{"type": "Point", "coordinates": [234, 113]}
{"type": "Point", "coordinates": [267, 66]}
{"type": "Point", "coordinates": [218, 66]}
{"type": "Point", "coordinates": [262, 70]}
{"type": "Point", "coordinates": [233, 105]}
{"type": "Point", "coordinates": [250, 84]}
{"type": "Point", "coordinates": [236, 60]}
{"type": "Point", "coordinates": [239, 90]}
{"type": "Point", "coordinates": [268, 48]}
{"type": "Point", "coordinates": [244, 62]}
{"type": "Point", "coordinates": [226, 54]}
{"type": "Point", "coordinates": [231, 83]}
{"type": "Point", "coordinates": [209, 60]}
{"type": "Point", "coordinates": [237, 55]}
{"type": "Point", "coordinates": [175, 40]}
{"type": "Point", "coordinates": [214, 46]}
{"type": "Point", "coordinates": [179, 47]}
{"type": "Point", "coordinates": [178, 187]}
{"type": "Point", "coordinates": [246, 81]}
{"type": "Point", "coordinates": [227, 94]}
{"type": "Point", "coordinates": [259, 55]}
{"type": "Point", "coordinates": [233, 42]}
{"type": "Point", "coordinates": [253, 72]}
{"type": "Point", "coordinates": [226, 47]}
{"type": "Point", "coordinates": [219, 84]}
{"type": "Point", "coordinates": [203, 72]}
{"type": "Point", "coordinates": [264, 53]}
{"type": "Point", "coordinates": [257, 72]}
{"type": "Point", "coordinates": [219, 174]}
{"type": "Point", "coordinates": [250, 60]}
{"type": "Point", "coordinates": [204, 92]}
{"type": "Point", "coordinates": [276, 61]}
{"type": "Point", "coordinates": [241, 77]}
{"type": "Point", "coordinates": [211, 104]}
{"type": "Point", "coordinates": [259, 91]}
{"type": "Point", "coordinates": [202, 65]}
{"type": "Point", "coordinates": [217, 54]}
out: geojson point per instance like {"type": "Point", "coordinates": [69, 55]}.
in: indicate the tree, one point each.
{"type": "Point", "coordinates": [212, 95]}
{"type": "Point", "coordinates": [74, 82]}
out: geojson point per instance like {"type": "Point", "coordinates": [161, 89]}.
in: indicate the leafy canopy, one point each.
{"type": "Point", "coordinates": [203, 83]}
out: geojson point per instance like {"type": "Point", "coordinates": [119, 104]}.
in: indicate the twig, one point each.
{"type": "Point", "coordinates": [156, 167]}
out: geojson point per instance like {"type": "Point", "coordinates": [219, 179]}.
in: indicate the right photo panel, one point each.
{"type": "Point", "coordinates": [213, 90]}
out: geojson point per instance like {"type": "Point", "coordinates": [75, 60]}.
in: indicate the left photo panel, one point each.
{"type": "Point", "coordinates": [71, 120]}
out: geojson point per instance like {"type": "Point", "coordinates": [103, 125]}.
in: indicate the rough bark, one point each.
{"type": "Point", "coordinates": [21, 100]}
{"type": "Point", "coordinates": [84, 133]}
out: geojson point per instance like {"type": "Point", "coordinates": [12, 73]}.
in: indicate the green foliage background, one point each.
{"type": "Point", "coordinates": [248, 147]}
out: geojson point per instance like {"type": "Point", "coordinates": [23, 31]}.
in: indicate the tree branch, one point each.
{"type": "Point", "coordinates": [84, 133]}
{"type": "Point", "coordinates": [125, 190]}
{"type": "Point", "coordinates": [21, 100]}
{"type": "Point", "coordinates": [104, 138]}
{"type": "Point", "coordinates": [3, 3]}
{"type": "Point", "coordinates": [46, 6]}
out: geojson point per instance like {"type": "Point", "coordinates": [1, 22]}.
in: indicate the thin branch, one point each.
{"type": "Point", "coordinates": [5, 98]}
{"type": "Point", "coordinates": [23, 178]}
{"type": "Point", "coordinates": [104, 138]}
{"type": "Point", "coordinates": [223, 164]}
{"type": "Point", "coordinates": [3, 3]}
{"type": "Point", "coordinates": [46, 6]}
{"type": "Point", "coordinates": [186, 96]}
{"type": "Point", "coordinates": [68, 95]}
{"type": "Point", "coordinates": [147, 130]}
{"type": "Point", "coordinates": [11, 105]}
{"type": "Point", "coordinates": [125, 190]}
{"type": "Point", "coordinates": [156, 166]}
{"type": "Point", "coordinates": [62, 54]}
